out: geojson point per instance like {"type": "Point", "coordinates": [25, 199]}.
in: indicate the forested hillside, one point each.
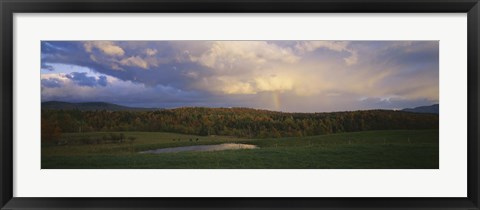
{"type": "Point", "coordinates": [435, 109]}
{"type": "Point", "coordinates": [238, 122]}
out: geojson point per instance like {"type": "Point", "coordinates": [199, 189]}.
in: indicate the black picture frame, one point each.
{"type": "Point", "coordinates": [9, 7]}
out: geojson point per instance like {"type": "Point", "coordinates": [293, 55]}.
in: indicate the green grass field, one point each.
{"type": "Point", "coordinates": [393, 149]}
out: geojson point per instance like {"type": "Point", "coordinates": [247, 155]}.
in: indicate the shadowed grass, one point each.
{"type": "Point", "coordinates": [394, 149]}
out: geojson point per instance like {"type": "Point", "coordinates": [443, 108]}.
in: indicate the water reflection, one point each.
{"type": "Point", "coordinates": [201, 148]}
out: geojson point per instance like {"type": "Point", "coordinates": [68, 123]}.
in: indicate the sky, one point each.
{"type": "Point", "coordinates": [289, 76]}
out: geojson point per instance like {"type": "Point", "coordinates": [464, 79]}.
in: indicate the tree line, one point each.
{"type": "Point", "coordinates": [238, 122]}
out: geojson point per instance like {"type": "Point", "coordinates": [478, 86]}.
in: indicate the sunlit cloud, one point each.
{"type": "Point", "coordinates": [107, 47]}
{"type": "Point", "coordinates": [134, 61]}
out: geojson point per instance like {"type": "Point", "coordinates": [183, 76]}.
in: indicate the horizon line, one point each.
{"type": "Point", "coordinates": [232, 107]}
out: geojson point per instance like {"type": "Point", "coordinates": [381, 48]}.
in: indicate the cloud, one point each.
{"type": "Point", "coordinates": [107, 47]}
{"type": "Point", "coordinates": [224, 55]}
{"type": "Point", "coordinates": [102, 81]}
{"type": "Point", "coordinates": [134, 61]}
{"type": "Point", "coordinates": [238, 67]}
{"type": "Point", "coordinates": [392, 102]}
{"type": "Point", "coordinates": [235, 87]}
{"type": "Point", "coordinates": [51, 83]}
{"type": "Point", "coordinates": [120, 92]}
{"type": "Point", "coordinates": [81, 79]}
{"type": "Point", "coordinates": [339, 46]}
{"type": "Point", "coordinates": [46, 67]}
{"type": "Point", "coordinates": [246, 84]}
{"type": "Point", "coordinates": [151, 52]}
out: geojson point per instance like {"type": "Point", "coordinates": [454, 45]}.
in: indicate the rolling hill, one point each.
{"type": "Point", "coordinates": [90, 106]}
{"type": "Point", "coordinates": [434, 109]}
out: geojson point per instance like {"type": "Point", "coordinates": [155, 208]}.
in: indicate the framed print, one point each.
{"type": "Point", "coordinates": [239, 105]}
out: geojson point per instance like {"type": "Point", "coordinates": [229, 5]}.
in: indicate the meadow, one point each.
{"type": "Point", "coordinates": [384, 149]}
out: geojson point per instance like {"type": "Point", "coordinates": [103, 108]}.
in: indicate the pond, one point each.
{"type": "Point", "coordinates": [201, 148]}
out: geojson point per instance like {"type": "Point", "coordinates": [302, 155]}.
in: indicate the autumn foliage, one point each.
{"type": "Point", "coordinates": [239, 122]}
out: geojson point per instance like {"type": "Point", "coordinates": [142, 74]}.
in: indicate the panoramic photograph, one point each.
{"type": "Point", "coordinates": [266, 104]}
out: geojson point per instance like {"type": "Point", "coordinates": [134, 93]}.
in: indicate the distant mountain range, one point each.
{"type": "Point", "coordinates": [90, 106]}
{"type": "Point", "coordinates": [434, 109]}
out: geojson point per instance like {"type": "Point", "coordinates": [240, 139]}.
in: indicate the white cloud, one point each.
{"type": "Point", "coordinates": [60, 77]}
{"type": "Point", "coordinates": [224, 55]}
